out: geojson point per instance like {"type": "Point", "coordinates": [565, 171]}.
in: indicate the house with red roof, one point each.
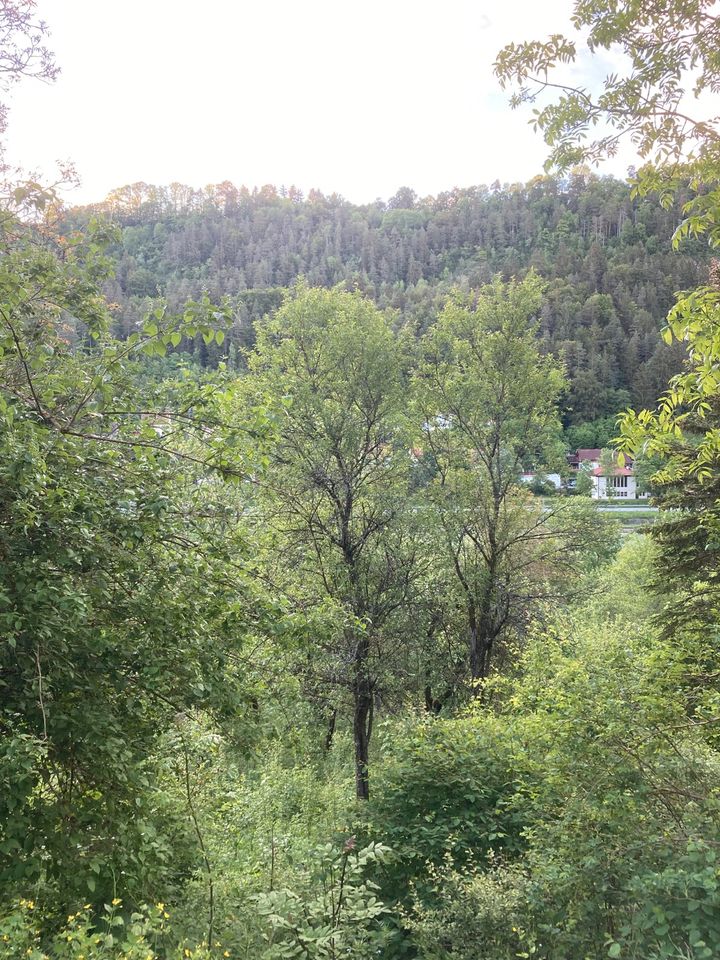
{"type": "Point", "coordinates": [608, 481]}
{"type": "Point", "coordinates": [586, 458]}
{"type": "Point", "coordinates": [614, 481]}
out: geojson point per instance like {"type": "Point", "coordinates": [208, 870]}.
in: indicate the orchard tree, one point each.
{"type": "Point", "coordinates": [336, 488]}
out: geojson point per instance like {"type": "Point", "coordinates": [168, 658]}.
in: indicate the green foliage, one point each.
{"type": "Point", "coordinates": [482, 373]}
{"type": "Point", "coordinates": [488, 403]}
{"type": "Point", "coordinates": [649, 887]}
{"type": "Point", "coordinates": [262, 819]}
{"type": "Point", "coordinates": [584, 483]}
{"type": "Point", "coordinates": [115, 935]}
{"type": "Point", "coordinates": [339, 472]}
{"type": "Point", "coordinates": [678, 904]}
{"type": "Point", "coordinates": [182, 656]}
{"type": "Point", "coordinates": [576, 818]}
{"type": "Point", "coordinates": [605, 254]}
{"type": "Point", "coordinates": [116, 609]}
{"type": "Point", "coordinates": [592, 436]}
{"type": "Point", "coordinates": [445, 788]}
{"type": "Point", "coordinates": [679, 446]}
{"type": "Point", "coordinates": [662, 43]}
{"type": "Point", "coordinates": [688, 404]}
{"type": "Point", "coordinates": [476, 914]}
{"type": "Point", "coordinates": [541, 486]}
{"type": "Point", "coordinates": [338, 915]}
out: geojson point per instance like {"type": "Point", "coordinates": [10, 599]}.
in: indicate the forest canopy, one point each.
{"type": "Point", "coordinates": [607, 256]}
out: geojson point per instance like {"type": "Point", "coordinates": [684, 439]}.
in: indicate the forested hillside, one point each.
{"type": "Point", "coordinates": [607, 256]}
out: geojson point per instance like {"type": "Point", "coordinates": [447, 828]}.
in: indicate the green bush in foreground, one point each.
{"type": "Point", "coordinates": [114, 936]}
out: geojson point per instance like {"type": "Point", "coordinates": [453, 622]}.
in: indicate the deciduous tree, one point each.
{"type": "Point", "coordinates": [488, 400]}
{"type": "Point", "coordinates": [338, 478]}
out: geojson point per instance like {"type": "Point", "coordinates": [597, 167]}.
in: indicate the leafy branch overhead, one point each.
{"type": "Point", "coordinates": [661, 46]}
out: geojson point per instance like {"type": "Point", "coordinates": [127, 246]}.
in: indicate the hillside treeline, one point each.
{"type": "Point", "coordinates": [607, 256]}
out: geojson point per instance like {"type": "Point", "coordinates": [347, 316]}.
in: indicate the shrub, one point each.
{"type": "Point", "coordinates": [476, 914]}
{"type": "Point", "coordinates": [446, 787]}
{"type": "Point", "coordinates": [335, 915]}
{"type": "Point", "coordinates": [114, 935]}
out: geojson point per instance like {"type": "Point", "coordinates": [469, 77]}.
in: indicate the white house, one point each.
{"type": "Point", "coordinates": [608, 482]}
{"type": "Point", "coordinates": [615, 482]}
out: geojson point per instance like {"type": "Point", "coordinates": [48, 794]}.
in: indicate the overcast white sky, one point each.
{"type": "Point", "coordinates": [355, 97]}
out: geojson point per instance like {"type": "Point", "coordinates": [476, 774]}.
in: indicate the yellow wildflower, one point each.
{"type": "Point", "coordinates": [116, 901]}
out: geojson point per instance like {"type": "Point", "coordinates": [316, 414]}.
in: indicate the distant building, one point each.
{"type": "Point", "coordinates": [615, 482]}
{"type": "Point", "coordinates": [585, 457]}
{"type": "Point", "coordinates": [607, 483]}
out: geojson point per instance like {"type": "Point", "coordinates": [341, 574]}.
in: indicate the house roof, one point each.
{"type": "Point", "coordinates": [588, 454]}
{"type": "Point", "coordinates": [615, 472]}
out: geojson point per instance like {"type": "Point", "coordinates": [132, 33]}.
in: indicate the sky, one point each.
{"type": "Point", "coordinates": [347, 97]}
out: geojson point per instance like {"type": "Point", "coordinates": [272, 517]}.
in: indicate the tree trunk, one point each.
{"type": "Point", "coordinates": [483, 624]}
{"type": "Point", "coordinates": [332, 720]}
{"type": "Point", "coordinates": [362, 718]}
{"type": "Point", "coordinates": [482, 631]}
{"type": "Point", "coordinates": [476, 652]}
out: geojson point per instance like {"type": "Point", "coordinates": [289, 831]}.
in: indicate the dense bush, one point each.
{"type": "Point", "coordinates": [445, 788]}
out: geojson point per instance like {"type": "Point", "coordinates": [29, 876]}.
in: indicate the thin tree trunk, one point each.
{"type": "Point", "coordinates": [362, 744]}
{"type": "Point", "coordinates": [476, 656]}
{"type": "Point", "coordinates": [362, 718]}
{"type": "Point", "coordinates": [483, 628]}
{"type": "Point", "coordinates": [332, 720]}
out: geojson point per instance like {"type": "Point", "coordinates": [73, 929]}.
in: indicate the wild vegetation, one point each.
{"type": "Point", "coordinates": [292, 662]}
